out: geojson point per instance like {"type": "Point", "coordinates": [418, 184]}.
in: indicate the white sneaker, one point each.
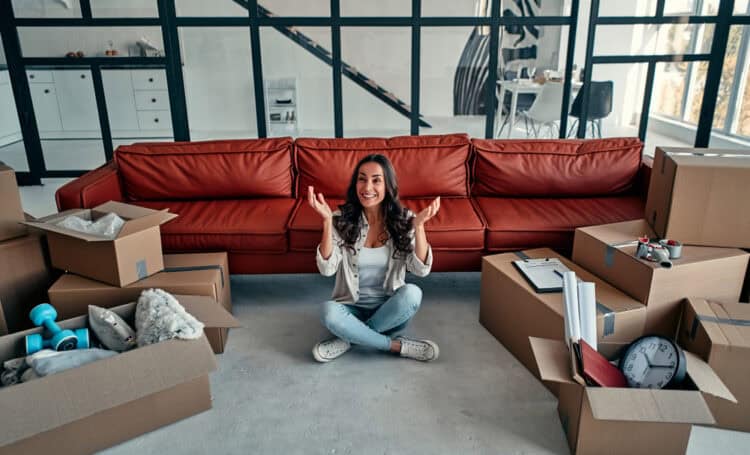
{"type": "Point", "coordinates": [330, 349]}
{"type": "Point", "coordinates": [424, 350]}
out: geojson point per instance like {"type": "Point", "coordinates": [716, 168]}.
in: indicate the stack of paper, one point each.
{"type": "Point", "coordinates": [579, 310]}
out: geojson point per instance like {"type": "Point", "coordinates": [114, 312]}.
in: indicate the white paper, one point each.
{"type": "Point", "coordinates": [107, 226]}
{"type": "Point", "coordinates": [570, 308]}
{"type": "Point", "coordinates": [587, 310]}
{"type": "Point", "coordinates": [545, 273]}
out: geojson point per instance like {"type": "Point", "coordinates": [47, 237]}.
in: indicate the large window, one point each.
{"type": "Point", "coordinates": [678, 86]}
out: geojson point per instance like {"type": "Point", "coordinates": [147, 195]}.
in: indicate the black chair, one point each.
{"type": "Point", "coordinates": [600, 106]}
{"type": "Point", "coordinates": [523, 103]}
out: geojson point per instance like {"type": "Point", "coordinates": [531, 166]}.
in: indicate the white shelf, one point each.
{"type": "Point", "coordinates": [282, 89]}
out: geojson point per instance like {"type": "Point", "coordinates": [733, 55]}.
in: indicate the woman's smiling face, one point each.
{"type": "Point", "coordinates": [370, 185]}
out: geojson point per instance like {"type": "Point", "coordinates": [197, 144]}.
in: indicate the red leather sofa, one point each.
{"type": "Point", "coordinates": [248, 197]}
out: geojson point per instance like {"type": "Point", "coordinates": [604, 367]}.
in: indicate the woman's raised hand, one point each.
{"type": "Point", "coordinates": [431, 210]}
{"type": "Point", "coordinates": [318, 203]}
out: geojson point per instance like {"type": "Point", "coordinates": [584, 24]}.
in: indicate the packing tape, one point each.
{"type": "Point", "coordinates": [609, 318]}
{"type": "Point", "coordinates": [730, 321]}
{"type": "Point", "coordinates": [673, 246]}
{"type": "Point", "coordinates": [141, 271]}
{"type": "Point", "coordinates": [197, 267]}
{"type": "Point", "coordinates": [522, 255]}
{"type": "Point", "coordinates": [609, 252]}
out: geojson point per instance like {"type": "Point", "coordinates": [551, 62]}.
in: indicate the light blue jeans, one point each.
{"type": "Point", "coordinates": [372, 327]}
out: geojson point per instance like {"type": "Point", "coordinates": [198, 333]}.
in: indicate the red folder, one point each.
{"type": "Point", "coordinates": [598, 370]}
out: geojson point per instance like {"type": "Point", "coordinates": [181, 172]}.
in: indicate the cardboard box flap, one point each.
{"type": "Point", "coordinates": [647, 405]}
{"type": "Point", "coordinates": [206, 310]}
{"type": "Point", "coordinates": [136, 218]}
{"type": "Point", "coordinates": [49, 224]}
{"type": "Point", "coordinates": [706, 379]}
{"type": "Point", "coordinates": [553, 360]}
{"type": "Point", "coordinates": [619, 234]}
{"type": "Point", "coordinates": [52, 401]}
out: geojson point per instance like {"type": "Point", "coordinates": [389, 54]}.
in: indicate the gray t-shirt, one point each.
{"type": "Point", "coordinates": [373, 263]}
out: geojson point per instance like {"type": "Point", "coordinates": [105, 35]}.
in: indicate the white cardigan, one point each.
{"type": "Point", "coordinates": [343, 262]}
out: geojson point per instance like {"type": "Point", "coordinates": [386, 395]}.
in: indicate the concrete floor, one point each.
{"type": "Point", "coordinates": [270, 396]}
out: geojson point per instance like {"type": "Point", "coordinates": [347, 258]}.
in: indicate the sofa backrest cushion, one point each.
{"type": "Point", "coordinates": [426, 166]}
{"type": "Point", "coordinates": [206, 170]}
{"type": "Point", "coordinates": [555, 167]}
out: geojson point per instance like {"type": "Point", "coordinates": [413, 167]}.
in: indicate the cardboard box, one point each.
{"type": "Point", "coordinates": [11, 213]}
{"type": "Point", "coordinates": [699, 196]}
{"type": "Point", "coordinates": [512, 312]}
{"type": "Point", "coordinates": [720, 334]}
{"type": "Point", "coordinates": [608, 251]}
{"type": "Point", "coordinates": [613, 420]}
{"type": "Point", "coordinates": [133, 255]}
{"type": "Point", "coordinates": [205, 274]}
{"type": "Point", "coordinates": [25, 275]}
{"type": "Point", "coordinates": [100, 404]}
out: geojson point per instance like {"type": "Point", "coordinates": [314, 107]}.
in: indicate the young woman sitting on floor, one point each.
{"type": "Point", "coordinates": [370, 244]}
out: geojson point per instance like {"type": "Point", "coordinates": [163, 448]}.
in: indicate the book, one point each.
{"type": "Point", "coordinates": [543, 274]}
{"type": "Point", "coordinates": [597, 370]}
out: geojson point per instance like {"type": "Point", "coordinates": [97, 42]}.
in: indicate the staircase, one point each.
{"type": "Point", "coordinates": [347, 70]}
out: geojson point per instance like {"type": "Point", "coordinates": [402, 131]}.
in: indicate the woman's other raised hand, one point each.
{"type": "Point", "coordinates": [318, 203]}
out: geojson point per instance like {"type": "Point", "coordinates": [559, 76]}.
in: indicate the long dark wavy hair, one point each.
{"type": "Point", "coordinates": [398, 221]}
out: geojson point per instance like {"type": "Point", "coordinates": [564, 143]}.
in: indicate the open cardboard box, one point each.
{"type": "Point", "coordinates": [511, 310]}
{"type": "Point", "coordinates": [615, 420]}
{"type": "Point", "coordinates": [204, 274]}
{"type": "Point", "coordinates": [698, 196]}
{"type": "Point", "coordinates": [133, 255]}
{"type": "Point", "coordinates": [608, 251]}
{"type": "Point", "coordinates": [100, 404]}
{"type": "Point", "coordinates": [720, 334]}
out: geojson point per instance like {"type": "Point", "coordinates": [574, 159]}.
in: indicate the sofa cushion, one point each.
{"type": "Point", "coordinates": [457, 226]}
{"type": "Point", "coordinates": [560, 168]}
{"type": "Point", "coordinates": [514, 223]}
{"type": "Point", "coordinates": [425, 165]}
{"type": "Point", "coordinates": [257, 225]}
{"type": "Point", "coordinates": [206, 170]}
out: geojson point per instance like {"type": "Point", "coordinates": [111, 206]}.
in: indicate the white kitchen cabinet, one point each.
{"type": "Point", "coordinates": [40, 76]}
{"type": "Point", "coordinates": [118, 91]}
{"type": "Point", "coordinates": [152, 100]}
{"type": "Point", "coordinates": [46, 108]}
{"type": "Point", "coordinates": [154, 120]}
{"type": "Point", "coordinates": [75, 94]}
{"type": "Point", "coordinates": [155, 79]}
{"type": "Point", "coordinates": [65, 103]}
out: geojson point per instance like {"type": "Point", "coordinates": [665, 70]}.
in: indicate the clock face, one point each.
{"type": "Point", "coordinates": [650, 362]}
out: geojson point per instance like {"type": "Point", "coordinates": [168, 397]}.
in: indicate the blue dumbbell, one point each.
{"type": "Point", "coordinates": [62, 340]}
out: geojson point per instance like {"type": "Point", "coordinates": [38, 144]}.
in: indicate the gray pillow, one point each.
{"type": "Point", "coordinates": [112, 331]}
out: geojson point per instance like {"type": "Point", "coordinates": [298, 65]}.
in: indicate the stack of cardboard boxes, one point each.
{"type": "Point", "coordinates": [105, 402]}
{"type": "Point", "coordinates": [25, 274]}
{"type": "Point", "coordinates": [701, 201]}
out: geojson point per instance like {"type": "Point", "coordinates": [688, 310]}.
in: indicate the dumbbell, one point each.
{"type": "Point", "coordinates": [62, 339]}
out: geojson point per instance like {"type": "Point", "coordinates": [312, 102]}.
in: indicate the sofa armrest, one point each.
{"type": "Point", "coordinates": [644, 176]}
{"type": "Point", "coordinates": [91, 189]}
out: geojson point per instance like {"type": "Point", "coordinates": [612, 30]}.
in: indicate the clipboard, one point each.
{"type": "Point", "coordinates": [543, 274]}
